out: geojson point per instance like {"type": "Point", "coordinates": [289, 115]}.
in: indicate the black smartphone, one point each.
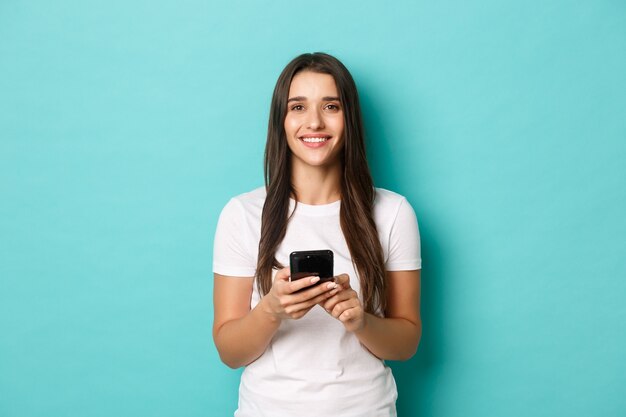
{"type": "Point", "coordinates": [312, 263]}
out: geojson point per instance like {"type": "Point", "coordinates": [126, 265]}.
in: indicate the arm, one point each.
{"type": "Point", "coordinates": [235, 323]}
{"type": "Point", "coordinates": [397, 335]}
{"type": "Point", "coordinates": [242, 334]}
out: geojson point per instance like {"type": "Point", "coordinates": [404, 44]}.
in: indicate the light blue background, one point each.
{"type": "Point", "coordinates": [126, 126]}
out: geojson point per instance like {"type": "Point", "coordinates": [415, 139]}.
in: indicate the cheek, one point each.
{"type": "Point", "coordinates": [339, 124]}
{"type": "Point", "coordinates": [341, 132]}
{"type": "Point", "coordinates": [290, 125]}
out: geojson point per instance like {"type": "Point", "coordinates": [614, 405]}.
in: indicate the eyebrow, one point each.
{"type": "Point", "coordinates": [302, 98]}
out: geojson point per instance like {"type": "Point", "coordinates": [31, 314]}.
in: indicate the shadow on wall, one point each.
{"type": "Point", "coordinates": [416, 378]}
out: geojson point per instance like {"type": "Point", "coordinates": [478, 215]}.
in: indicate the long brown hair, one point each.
{"type": "Point", "coordinates": [357, 189]}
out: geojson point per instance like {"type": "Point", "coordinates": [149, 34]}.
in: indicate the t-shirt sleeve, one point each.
{"type": "Point", "coordinates": [404, 241]}
{"type": "Point", "coordinates": [231, 252]}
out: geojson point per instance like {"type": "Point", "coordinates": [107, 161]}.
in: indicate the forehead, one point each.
{"type": "Point", "coordinates": [312, 84]}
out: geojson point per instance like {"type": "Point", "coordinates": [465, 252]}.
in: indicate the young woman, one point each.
{"type": "Point", "coordinates": [316, 350]}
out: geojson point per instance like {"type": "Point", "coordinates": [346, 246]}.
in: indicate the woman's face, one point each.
{"type": "Point", "coordinates": [314, 122]}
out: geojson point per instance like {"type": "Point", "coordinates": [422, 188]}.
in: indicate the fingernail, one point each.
{"type": "Point", "coordinates": [331, 285]}
{"type": "Point", "coordinates": [314, 279]}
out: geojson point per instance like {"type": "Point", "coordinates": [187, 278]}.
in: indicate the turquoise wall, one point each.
{"type": "Point", "coordinates": [126, 126]}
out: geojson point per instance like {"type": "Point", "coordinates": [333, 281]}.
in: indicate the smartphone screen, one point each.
{"type": "Point", "coordinates": [312, 263]}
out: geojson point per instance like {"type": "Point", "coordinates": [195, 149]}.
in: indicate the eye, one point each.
{"type": "Point", "coordinates": [297, 107]}
{"type": "Point", "coordinates": [332, 107]}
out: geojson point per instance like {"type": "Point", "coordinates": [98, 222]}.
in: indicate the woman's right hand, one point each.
{"type": "Point", "coordinates": [284, 302]}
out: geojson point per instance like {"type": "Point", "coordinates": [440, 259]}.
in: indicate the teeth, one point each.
{"type": "Point", "coordinates": [314, 140]}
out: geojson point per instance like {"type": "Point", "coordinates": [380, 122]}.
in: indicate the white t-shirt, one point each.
{"type": "Point", "coordinates": [313, 366]}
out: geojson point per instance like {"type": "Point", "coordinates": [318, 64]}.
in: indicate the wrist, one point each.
{"type": "Point", "coordinates": [365, 323]}
{"type": "Point", "coordinates": [268, 312]}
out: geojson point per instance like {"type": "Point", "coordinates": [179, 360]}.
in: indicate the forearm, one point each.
{"type": "Point", "coordinates": [241, 341]}
{"type": "Point", "coordinates": [390, 338]}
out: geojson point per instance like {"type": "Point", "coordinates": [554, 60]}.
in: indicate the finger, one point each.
{"type": "Point", "coordinates": [309, 303]}
{"type": "Point", "coordinates": [310, 297]}
{"type": "Point", "coordinates": [343, 280]}
{"type": "Point", "coordinates": [297, 311]}
{"type": "Point", "coordinates": [282, 275]}
{"type": "Point", "coordinates": [349, 314]}
{"type": "Point", "coordinates": [342, 295]}
{"type": "Point", "coordinates": [324, 296]}
{"type": "Point", "coordinates": [301, 283]}
{"type": "Point", "coordinates": [339, 297]}
{"type": "Point", "coordinates": [343, 306]}
{"type": "Point", "coordinates": [317, 293]}
{"type": "Point", "coordinates": [281, 282]}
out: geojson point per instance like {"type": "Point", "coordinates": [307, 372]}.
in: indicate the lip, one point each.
{"type": "Point", "coordinates": [315, 135]}
{"type": "Point", "coordinates": [314, 145]}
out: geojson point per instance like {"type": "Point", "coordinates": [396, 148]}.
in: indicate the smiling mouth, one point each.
{"type": "Point", "coordinates": [319, 139]}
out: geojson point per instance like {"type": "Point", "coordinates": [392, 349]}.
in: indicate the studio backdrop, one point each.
{"type": "Point", "coordinates": [125, 126]}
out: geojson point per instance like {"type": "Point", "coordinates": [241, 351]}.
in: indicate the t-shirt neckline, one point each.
{"type": "Point", "coordinates": [317, 209]}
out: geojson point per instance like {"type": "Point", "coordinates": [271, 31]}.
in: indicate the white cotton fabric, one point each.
{"type": "Point", "coordinates": [313, 367]}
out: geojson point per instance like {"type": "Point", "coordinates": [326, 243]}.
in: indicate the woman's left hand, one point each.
{"type": "Point", "coordinates": [345, 305]}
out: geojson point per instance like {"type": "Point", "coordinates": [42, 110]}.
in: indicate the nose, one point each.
{"type": "Point", "coordinates": [316, 121]}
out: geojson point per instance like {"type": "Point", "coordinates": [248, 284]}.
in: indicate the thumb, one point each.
{"type": "Point", "coordinates": [343, 280]}
{"type": "Point", "coordinates": [282, 275]}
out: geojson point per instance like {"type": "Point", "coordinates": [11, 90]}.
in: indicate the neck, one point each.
{"type": "Point", "coordinates": [317, 185]}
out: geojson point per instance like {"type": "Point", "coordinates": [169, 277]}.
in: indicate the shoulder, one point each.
{"type": "Point", "coordinates": [384, 194]}
{"type": "Point", "coordinates": [388, 200]}
{"type": "Point", "coordinates": [236, 235]}
{"type": "Point", "coordinates": [390, 208]}
{"type": "Point", "coordinates": [244, 207]}
{"type": "Point", "coordinates": [251, 201]}
{"type": "Point", "coordinates": [252, 198]}
{"type": "Point", "coordinates": [398, 231]}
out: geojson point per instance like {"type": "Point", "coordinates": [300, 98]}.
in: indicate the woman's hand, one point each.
{"type": "Point", "coordinates": [345, 305]}
{"type": "Point", "coordinates": [283, 302]}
